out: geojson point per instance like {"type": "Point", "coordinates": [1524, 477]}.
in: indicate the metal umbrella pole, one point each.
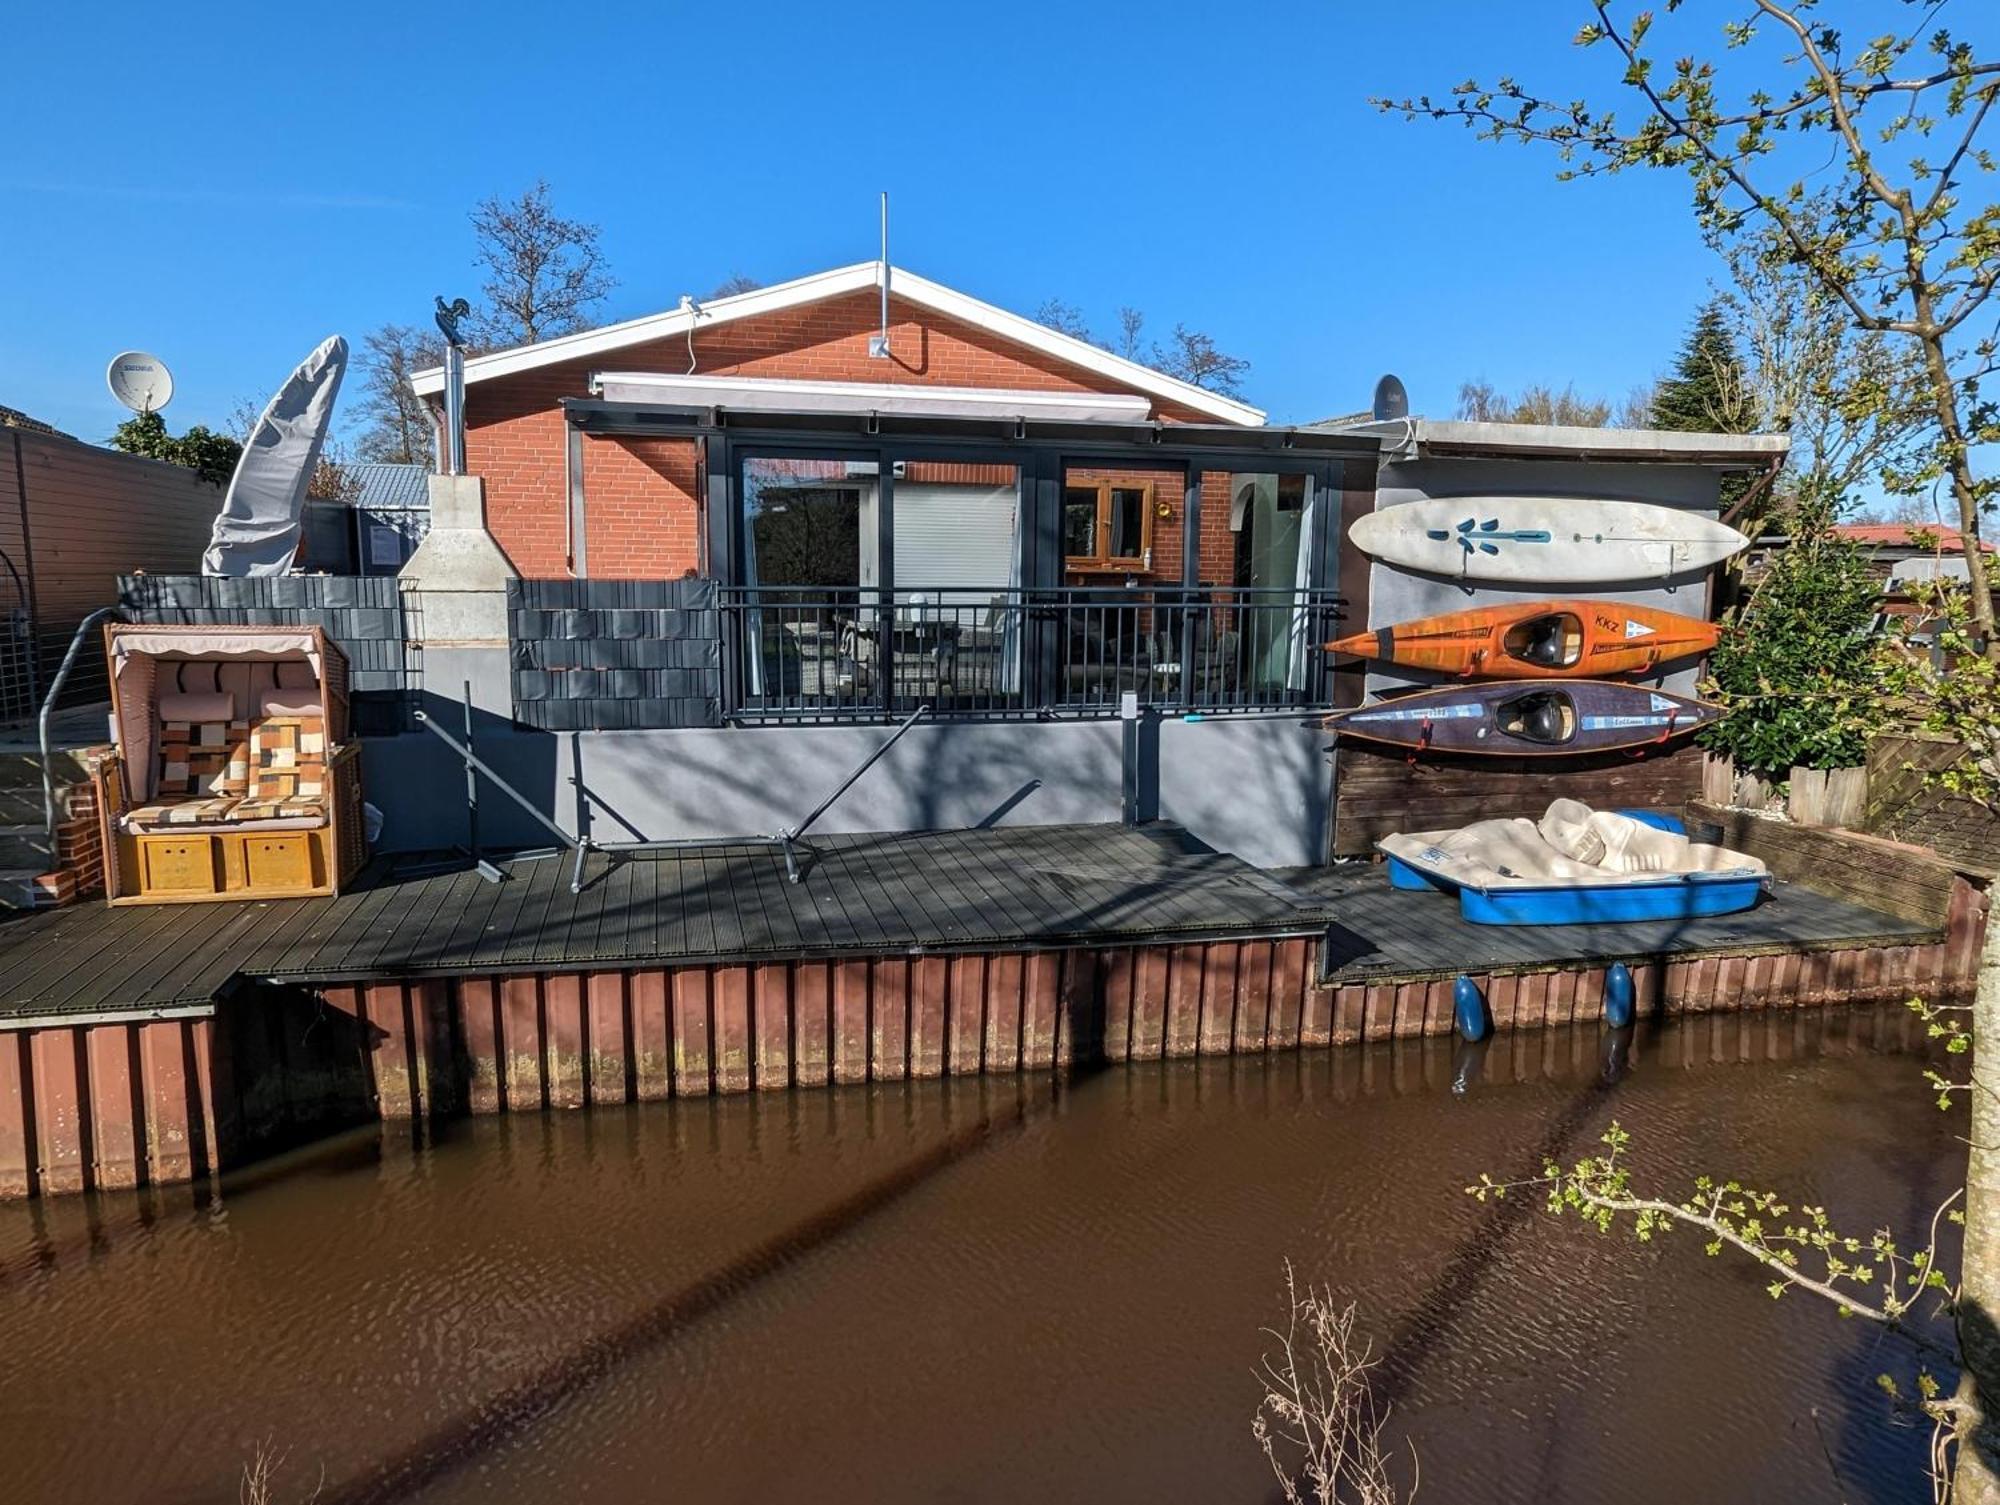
{"type": "Point", "coordinates": [581, 844]}
{"type": "Point", "coordinates": [788, 835]}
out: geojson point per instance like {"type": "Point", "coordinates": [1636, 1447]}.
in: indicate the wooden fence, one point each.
{"type": "Point", "coordinates": [73, 517]}
{"type": "Point", "coordinates": [1904, 803]}
{"type": "Point", "coordinates": [1809, 796]}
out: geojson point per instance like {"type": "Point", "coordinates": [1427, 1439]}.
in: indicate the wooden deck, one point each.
{"type": "Point", "coordinates": [994, 890]}
{"type": "Point", "coordinates": [1011, 888]}
{"type": "Point", "coordinates": [1385, 934]}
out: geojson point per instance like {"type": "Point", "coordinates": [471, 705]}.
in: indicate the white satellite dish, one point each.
{"type": "Point", "coordinates": [140, 381]}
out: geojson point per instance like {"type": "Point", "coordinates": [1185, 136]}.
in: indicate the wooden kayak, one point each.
{"type": "Point", "coordinates": [1544, 540]}
{"type": "Point", "coordinates": [1559, 718]}
{"type": "Point", "coordinates": [1538, 640]}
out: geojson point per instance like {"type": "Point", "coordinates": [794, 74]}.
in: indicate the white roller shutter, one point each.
{"type": "Point", "coordinates": [954, 542]}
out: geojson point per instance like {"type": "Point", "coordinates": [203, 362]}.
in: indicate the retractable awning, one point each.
{"type": "Point", "coordinates": [787, 395]}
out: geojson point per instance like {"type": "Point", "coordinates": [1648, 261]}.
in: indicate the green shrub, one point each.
{"type": "Point", "coordinates": [1798, 666]}
{"type": "Point", "coordinates": [213, 456]}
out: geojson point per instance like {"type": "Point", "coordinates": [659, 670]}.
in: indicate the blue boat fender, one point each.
{"type": "Point", "coordinates": [1621, 998]}
{"type": "Point", "coordinates": [1468, 1009]}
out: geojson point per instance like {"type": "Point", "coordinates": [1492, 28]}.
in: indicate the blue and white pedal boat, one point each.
{"type": "Point", "coordinates": [1522, 872]}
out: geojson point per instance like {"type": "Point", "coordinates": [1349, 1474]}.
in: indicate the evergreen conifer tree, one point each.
{"type": "Point", "coordinates": [1708, 391]}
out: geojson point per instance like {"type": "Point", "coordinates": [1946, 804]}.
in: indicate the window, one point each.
{"type": "Point", "coordinates": [1108, 524]}
{"type": "Point", "coordinates": [809, 522]}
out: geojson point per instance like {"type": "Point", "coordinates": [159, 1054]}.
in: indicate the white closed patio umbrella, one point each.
{"type": "Point", "coordinates": [257, 531]}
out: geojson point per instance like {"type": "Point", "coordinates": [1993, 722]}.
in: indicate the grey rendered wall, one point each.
{"type": "Point", "coordinates": [1397, 596]}
{"type": "Point", "coordinates": [670, 785]}
{"type": "Point", "coordinates": [1256, 788]}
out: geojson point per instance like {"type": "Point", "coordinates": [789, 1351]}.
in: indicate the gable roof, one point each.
{"type": "Point", "coordinates": [837, 283]}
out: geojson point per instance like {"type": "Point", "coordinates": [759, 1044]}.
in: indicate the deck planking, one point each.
{"type": "Point", "coordinates": [1000, 889]}
{"type": "Point", "coordinates": [1008, 888]}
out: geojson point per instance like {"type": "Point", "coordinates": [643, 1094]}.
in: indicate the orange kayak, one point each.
{"type": "Point", "coordinates": [1537, 640]}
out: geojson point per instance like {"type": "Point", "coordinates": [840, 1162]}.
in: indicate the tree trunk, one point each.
{"type": "Point", "coordinates": [1977, 1479]}
{"type": "Point", "coordinates": [1944, 393]}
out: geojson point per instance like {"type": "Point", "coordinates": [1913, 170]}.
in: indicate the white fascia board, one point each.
{"type": "Point", "coordinates": [833, 284]}
{"type": "Point", "coordinates": [940, 299]}
{"type": "Point", "coordinates": [796, 395]}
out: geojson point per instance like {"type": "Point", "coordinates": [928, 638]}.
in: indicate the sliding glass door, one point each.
{"type": "Point", "coordinates": [808, 566]}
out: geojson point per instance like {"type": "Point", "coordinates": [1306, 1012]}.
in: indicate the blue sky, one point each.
{"type": "Point", "coordinates": [225, 186]}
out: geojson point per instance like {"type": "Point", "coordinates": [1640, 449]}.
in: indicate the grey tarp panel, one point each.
{"type": "Point", "coordinates": [257, 531]}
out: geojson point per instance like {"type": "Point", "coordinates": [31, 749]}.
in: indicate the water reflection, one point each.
{"type": "Point", "coordinates": [984, 1288]}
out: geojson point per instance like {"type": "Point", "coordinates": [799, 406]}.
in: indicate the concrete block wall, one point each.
{"type": "Point", "coordinates": [1259, 789]}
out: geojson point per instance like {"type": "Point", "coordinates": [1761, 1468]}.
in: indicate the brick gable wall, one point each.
{"type": "Point", "coordinates": [641, 512]}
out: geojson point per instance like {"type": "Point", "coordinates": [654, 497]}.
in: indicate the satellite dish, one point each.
{"type": "Point", "coordinates": [140, 381]}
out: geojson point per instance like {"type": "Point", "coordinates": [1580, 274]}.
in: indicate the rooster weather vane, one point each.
{"type": "Point", "coordinates": [448, 316]}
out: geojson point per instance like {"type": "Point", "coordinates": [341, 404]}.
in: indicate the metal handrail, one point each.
{"type": "Point", "coordinates": [48, 710]}
{"type": "Point", "coordinates": [843, 652]}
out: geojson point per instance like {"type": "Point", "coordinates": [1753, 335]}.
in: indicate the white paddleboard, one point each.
{"type": "Point", "coordinates": [1544, 540]}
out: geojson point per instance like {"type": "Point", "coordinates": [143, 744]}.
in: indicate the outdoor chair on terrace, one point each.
{"type": "Point", "coordinates": [232, 777]}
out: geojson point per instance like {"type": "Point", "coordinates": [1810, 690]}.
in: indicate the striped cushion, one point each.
{"type": "Point", "coordinates": [288, 758]}
{"type": "Point", "coordinates": [291, 809]}
{"type": "Point", "coordinates": [209, 812]}
{"type": "Point", "coordinates": [204, 757]}
{"type": "Point", "coordinates": [182, 814]}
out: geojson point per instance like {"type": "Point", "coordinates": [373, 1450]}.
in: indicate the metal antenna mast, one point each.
{"type": "Point", "coordinates": [878, 344]}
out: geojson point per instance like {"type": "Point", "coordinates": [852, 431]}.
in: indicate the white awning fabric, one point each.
{"type": "Point", "coordinates": [771, 394]}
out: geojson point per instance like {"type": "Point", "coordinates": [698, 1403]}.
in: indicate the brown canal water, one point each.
{"type": "Point", "coordinates": [988, 1289]}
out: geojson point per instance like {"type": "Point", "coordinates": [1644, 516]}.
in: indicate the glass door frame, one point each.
{"type": "Point", "coordinates": [741, 672]}
{"type": "Point", "coordinates": [1319, 540]}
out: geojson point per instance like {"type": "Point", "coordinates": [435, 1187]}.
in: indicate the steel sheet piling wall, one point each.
{"type": "Point", "coordinates": [108, 1106]}
{"type": "Point", "coordinates": [119, 1104]}
{"type": "Point", "coordinates": [647, 1035]}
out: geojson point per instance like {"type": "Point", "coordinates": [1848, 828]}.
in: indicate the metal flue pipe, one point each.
{"type": "Point", "coordinates": [454, 409]}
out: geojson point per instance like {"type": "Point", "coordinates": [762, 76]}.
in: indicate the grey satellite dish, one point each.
{"type": "Point", "coordinates": [140, 381]}
{"type": "Point", "coordinates": [1391, 401]}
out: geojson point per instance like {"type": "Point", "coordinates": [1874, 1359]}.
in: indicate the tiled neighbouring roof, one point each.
{"type": "Point", "coordinates": [1898, 536]}
{"type": "Point", "coordinates": [14, 418]}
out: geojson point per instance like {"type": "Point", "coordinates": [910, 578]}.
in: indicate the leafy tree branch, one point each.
{"type": "Point", "coordinates": [1890, 234]}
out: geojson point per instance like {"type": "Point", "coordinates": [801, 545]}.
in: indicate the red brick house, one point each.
{"type": "Point", "coordinates": [564, 503]}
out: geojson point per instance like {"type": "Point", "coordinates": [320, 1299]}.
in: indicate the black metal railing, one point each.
{"type": "Point", "coordinates": [800, 653]}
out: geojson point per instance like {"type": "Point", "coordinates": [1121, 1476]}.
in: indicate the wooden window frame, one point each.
{"type": "Point", "coordinates": [1103, 559]}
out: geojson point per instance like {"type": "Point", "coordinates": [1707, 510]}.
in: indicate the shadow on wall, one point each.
{"type": "Point", "coordinates": [289, 1069]}
{"type": "Point", "coordinates": [419, 784]}
{"type": "Point", "coordinates": [1258, 789]}
{"type": "Point", "coordinates": [672, 785]}
{"type": "Point", "coordinates": [938, 777]}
